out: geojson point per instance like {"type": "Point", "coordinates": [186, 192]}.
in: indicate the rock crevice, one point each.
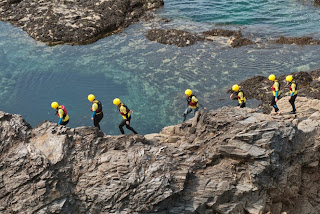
{"type": "Point", "coordinates": [224, 161]}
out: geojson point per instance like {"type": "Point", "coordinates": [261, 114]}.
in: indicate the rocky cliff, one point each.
{"type": "Point", "coordinates": [73, 21]}
{"type": "Point", "coordinates": [224, 161]}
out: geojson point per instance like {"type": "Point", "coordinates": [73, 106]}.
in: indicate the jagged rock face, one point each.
{"type": "Point", "coordinates": [73, 21]}
{"type": "Point", "coordinates": [224, 161]}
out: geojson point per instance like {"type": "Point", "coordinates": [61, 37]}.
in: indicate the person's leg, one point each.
{"type": "Point", "coordinates": [65, 122]}
{"type": "Point", "coordinates": [242, 105]}
{"type": "Point", "coordinates": [129, 127]}
{"type": "Point", "coordinates": [291, 101]}
{"type": "Point", "coordinates": [195, 110]}
{"type": "Point", "coordinates": [274, 104]}
{"type": "Point", "coordinates": [97, 120]}
{"type": "Point", "coordinates": [186, 112]}
{"type": "Point", "coordinates": [123, 122]}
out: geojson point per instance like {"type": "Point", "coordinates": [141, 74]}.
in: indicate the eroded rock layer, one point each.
{"type": "Point", "coordinates": [224, 161]}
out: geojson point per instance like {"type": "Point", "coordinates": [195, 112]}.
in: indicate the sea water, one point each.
{"type": "Point", "coordinates": [150, 77]}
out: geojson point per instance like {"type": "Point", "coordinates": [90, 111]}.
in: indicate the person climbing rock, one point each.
{"type": "Point", "coordinates": [61, 112]}
{"type": "Point", "coordinates": [293, 92]}
{"type": "Point", "coordinates": [193, 104]}
{"type": "Point", "coordinates": [240, 95]}
{"type": "Point", "coordinates": [126, 115]}
{"type": "Point", "coordinates": [96, 108]}
{"type": "Point", "coordinates": [275, 92]}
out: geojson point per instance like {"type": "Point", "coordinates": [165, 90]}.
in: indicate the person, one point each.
{"type": "Point", "coordinates": [126, 115]}
{"type": "Point", "coordinates": [275, 92]}
{"type": "Point", "coordinates": [240, 95]}
{"type": "Point", "coordinates": [61, 112]}
{"type": "Point", "coordinates": [293, 92]}
{"type": "Point", "coordinates": [193, 104]}
{"type": "Point", "coordinates": [96, 108]}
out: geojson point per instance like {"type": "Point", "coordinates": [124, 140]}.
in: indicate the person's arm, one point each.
{"type": "Point", "coordinates": [293, 88]}
{"type": "Point", "coordinates": [276, 86]}
{"type": "Point", "coordinates": [60, 112]}
{"type": "Point", "coordinates": [94, 108]}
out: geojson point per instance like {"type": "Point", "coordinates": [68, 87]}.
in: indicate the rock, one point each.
{"type": "Point", "coordinates": [259, 88]}
{"type": "Point", "coordinates": [74, 21]}
{"type": "Point", "coordinates": [222, 32]}
{"type": "Point", "coordinates": [240, 41]}
{"type": "Point", "coordinates": [179, 38]}
{"type": "Point", "coordinates": [304, 40]}
{"type": "Point", "coordinates": [224, 161]}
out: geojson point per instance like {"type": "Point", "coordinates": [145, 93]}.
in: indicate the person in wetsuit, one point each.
{"type": "Point", "coordinates": [240, 95]}
{"type": "Point", "coordinates": [96, 108]}
{"type": "Point", "coordinates": [293, 87]}
{"type": "Point", "coordinates": [193, 104]}
{"type": "Point", "coordinates": [275, 92]}
{"type": "Point", "coordinates": [61, 112]}
{"type": "Point", "coordinates": [126, 115]}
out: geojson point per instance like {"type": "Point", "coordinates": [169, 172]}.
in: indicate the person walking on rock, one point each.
{"type": "Point", "coordinates": [61, 112]}
{"type": "Point", "coordinates": [293, 92]}
{"type": "Point", "coordinates": [240, 95]}
{"type": "Point", "coordinates": [126, 115]}
{"type": "Point", "coordinates": [275, 92]}
{"type": "Point", "coordinates": [96, 108]}
{"type": "Point", "coordinates": [193, 104]}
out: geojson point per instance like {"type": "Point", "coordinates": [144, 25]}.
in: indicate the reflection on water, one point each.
{"type": "Point", "coordinates": [149, 77]}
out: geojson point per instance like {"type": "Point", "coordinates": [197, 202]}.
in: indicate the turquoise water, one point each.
{"type": "Point", "coordinates": [150, 77]}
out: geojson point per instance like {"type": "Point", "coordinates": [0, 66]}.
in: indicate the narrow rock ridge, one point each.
{"type": "Point", "coordinates": [74, 21]}
{"type": "Point", "coordinates": [224, 161]}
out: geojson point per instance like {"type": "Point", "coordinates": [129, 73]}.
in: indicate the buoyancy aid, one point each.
{"type": "Point", "coordinates": [243, 99]}
{"type": "Point", "coordinates": [192, 101]}
{"type": "Point", "coordinates": [124, 111]}
{"type": "Point", "coordinates": [64, 111]}
{"type": "Point", "coordinates": [274, 88]}
{"type": "Point", "coordinates": [99, 108]}
{"type": "Point", "coordinates": [293, 83]}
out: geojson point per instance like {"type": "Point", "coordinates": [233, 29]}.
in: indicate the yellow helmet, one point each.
{"type": "Point", "coordinates": [188, 92]}
{"type": "Point", "coordinates": [272, 77]}
{"type": "Point", "coordinates": [289, 78]}
{"type": "Point", "coordinates": [91, 97]}
{"type": "Point", "coordinates": [116, 101]}
{"type": "Point", "coordinates": [235, 88]}
{"type": "Point", "coordinates": [54, 105]}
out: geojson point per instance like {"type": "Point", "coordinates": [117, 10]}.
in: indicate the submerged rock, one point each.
{"type": "Point", "coordinates": [224, 161]}
{"type": "Point", "coordinates": [73, 21]}
{"type": "Point", "coordinates": [179, 38]}
{"type": "Point", "coordinates": [182, 38]}
{"type": "Point", "coordinates": [222, 32]}
{"type": "Point", "coordinates": [304, 40]}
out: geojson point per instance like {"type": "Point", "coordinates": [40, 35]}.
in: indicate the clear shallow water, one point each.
{"type": "Point", "coordinates": [149, 77]}
{"type": "Point", "coordinates": [265, 17]}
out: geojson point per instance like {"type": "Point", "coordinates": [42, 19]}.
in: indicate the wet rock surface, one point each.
{"type": "Point", "coordinates": [73, 21]}
{"type": "Point", "coordinates": [304, 40]}
{"type": "Point", "coordinates": [182, 38]}
{"type": "Point", "coordinates": [259, 87]}
{"type": "Point", "coordinates": [179, 38]}
{"type": "Point", "coordinates": [225, 161]}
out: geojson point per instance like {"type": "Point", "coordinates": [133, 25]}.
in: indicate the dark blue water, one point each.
{"type": "Point", "coordinates": [150, 77]}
